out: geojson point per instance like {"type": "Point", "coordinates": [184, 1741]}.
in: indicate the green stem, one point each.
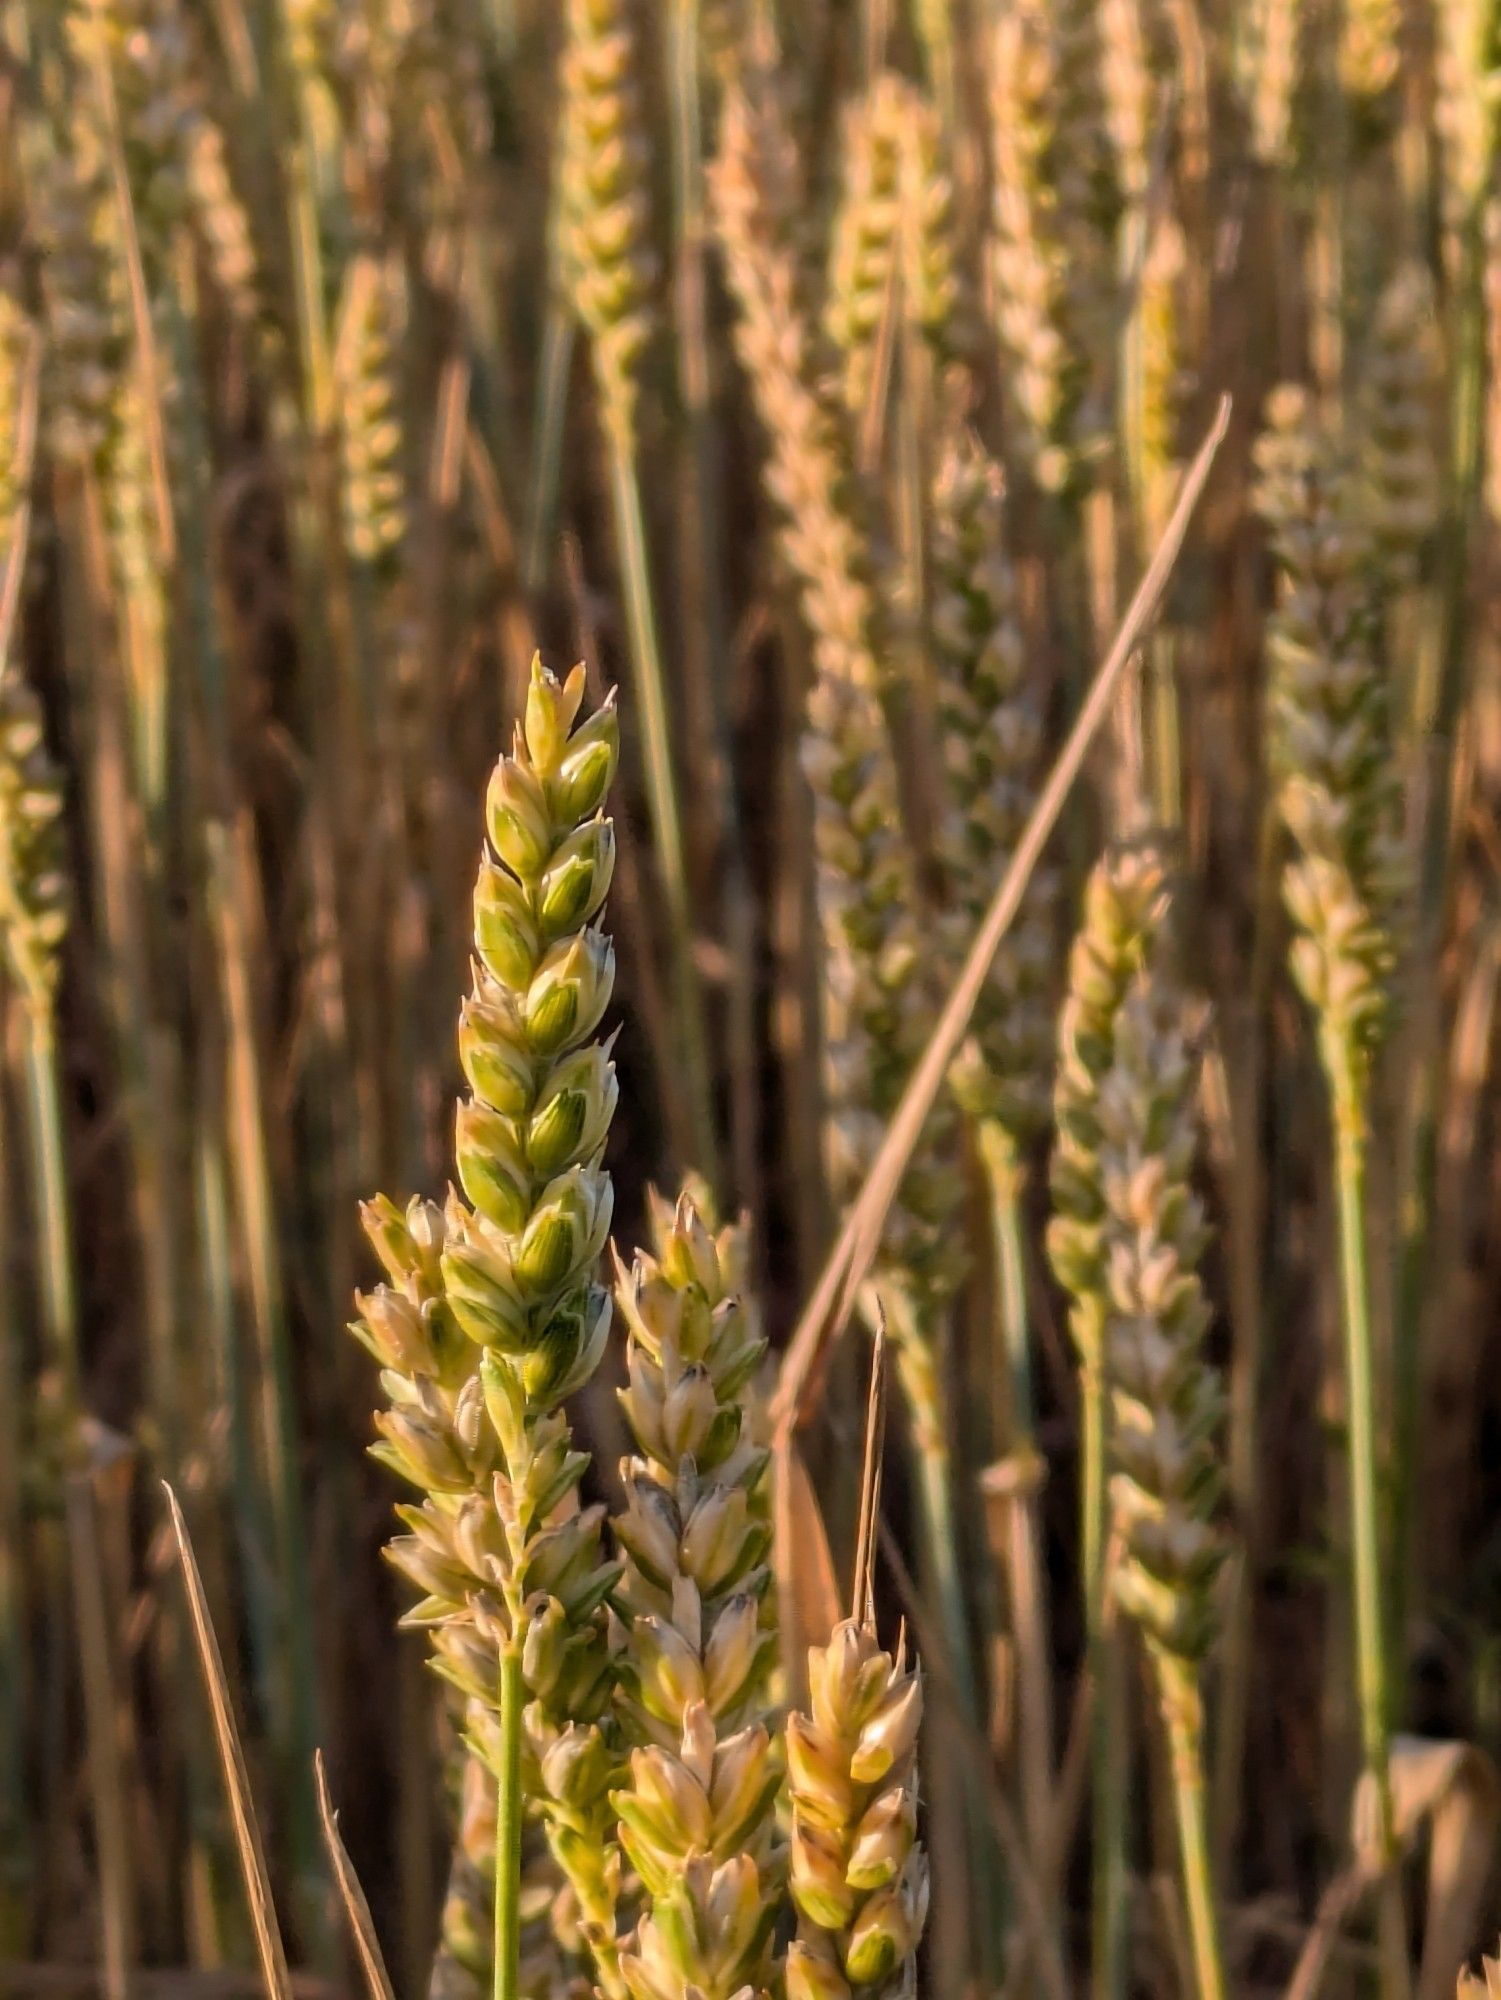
{"type": "Point", "coordinates": [509, 1803]}
{"type": "Point", "coordinates": [1183, 1710]}
{"type": "Point", "coordinates": [1109, 1722]}
{"type": "Point", "coordinates": [1028, 1572]}
{"type": "Point", "coordinates": [554, 369]}
{"type": "Point", "coordinates": [661, 790]}
{"type": "Point", "coordinates": [1349, 1109]}
{"type": "Point", "coordinates": [1370, 1634]}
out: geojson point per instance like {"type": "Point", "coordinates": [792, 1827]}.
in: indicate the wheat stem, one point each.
{"type": "Point", "coordinates": [662, 794]}
{"type": "Point", "coordinates": [1348, 1110]}
{"type": "Point", "coordinates": [1185, 1726]}
{"type": "Point", "coordinates": [509, 1802]}
{"type": "Point", "coordinates": [1029, 1587]}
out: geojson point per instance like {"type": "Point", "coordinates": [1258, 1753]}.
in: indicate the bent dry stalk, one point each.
{"type": "Point", "coordinates": [492, 1317]}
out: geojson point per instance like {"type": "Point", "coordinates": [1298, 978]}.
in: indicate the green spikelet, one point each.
{"type": "Point", "coordinates": [610, 263]}
{"type": "Point", "coordinates": [370, 439]}
{"type": "Point", "coordinates": [33, 879]}
{"type": "Point", "coordinates": [696, 1812]}
{"type": "Point", "coordinates": [1336, 774]}
{"type": "Point", "coordinates": [859, 1877]}
{"type": "Point", "coordinates": [992, 742]}
{"type": "Point", "coordinates": [492, 1315]}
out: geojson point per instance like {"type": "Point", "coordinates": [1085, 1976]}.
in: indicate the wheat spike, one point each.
{"type": "Point", "coordinates": [877, 1005]}
{"type": "Point", "coordinates": [696, 1812]}
{"type": "Point", "coordinates": [1125, 903]}
{"type": "Point", "coordinates": [992, 743]}
{"type": "Point", "coordinates": [370, 438]}
{"type": "Point", "coordinates": [865, 278]}
{"type": "Point", "coordinates": [1398, 416]}
{"type": "Point", "coordinates": [83, 296]}
{"type": "Point", "coordinates": [1337, 783]}
{"type": "Point", "coordinates": [859, 1877]}
{"type": "Point", "coordinates": [1166, 1401]}
{"type": "Point", "coordinates": [604, 166]}
{"type": "Point", "coordinates": [1270, 52]}
{"type": "Point", "coordinates": [492, 1315]}
{"type": "Point", "coordinates": [1046, 237]}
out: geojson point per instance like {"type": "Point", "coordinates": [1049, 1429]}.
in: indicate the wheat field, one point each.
{"type": "Point", "coordinates": [750, 923]}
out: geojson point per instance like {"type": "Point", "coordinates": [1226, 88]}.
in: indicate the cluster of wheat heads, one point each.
{"type": "Point", "coordinates": [823, 375]}
{"type": "Point", "coordinates": [625, 1702]}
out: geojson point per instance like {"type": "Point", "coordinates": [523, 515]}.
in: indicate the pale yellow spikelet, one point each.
{"type": "Point", "coordinates": [1269, 54]}
{"type": "Point", "coordinates": [1337, 778]}
{"type": "Point", "coordinates": [369, 396]}
{"type": "Point", "coordinates": [1482, 1985]}
{"type": "Point", "coordinates": [859, 1876]}
{"type": "Point", "coordinates": [894, 251]}
{"type": "Point", "coordinates": [1130, 91]}
{"type": "Point", "coordinates": [696, 1808]}
{"type": "Point", "coordinates": [604, 165]}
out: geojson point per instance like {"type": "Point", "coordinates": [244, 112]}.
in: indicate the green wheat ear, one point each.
{"type": "Point", "coordinates": [493, 1315]}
